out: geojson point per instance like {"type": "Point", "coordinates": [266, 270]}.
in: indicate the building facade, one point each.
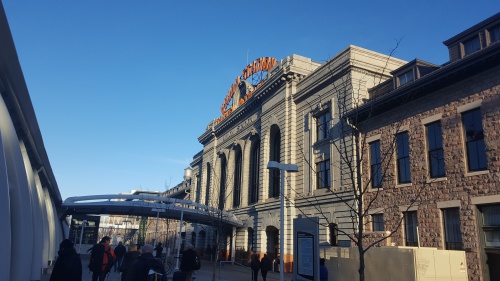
{"type": "Point", "coordinates": [432, 145]}
{"type": "Point", "coordinates": [290, 116]}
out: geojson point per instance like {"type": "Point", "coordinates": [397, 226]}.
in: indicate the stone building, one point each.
{"type": "Point", "coordinates": [431, 137]}
{"type": "Point", "coordinates": [289, 115]}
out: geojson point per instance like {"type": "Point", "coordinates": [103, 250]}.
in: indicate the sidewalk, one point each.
{"type": "Point", "coordinates": [227, 272]}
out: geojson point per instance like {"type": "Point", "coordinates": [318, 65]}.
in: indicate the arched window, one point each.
{"type": "Point", "coordinates": [222, 186]}
{"type": "Point", "coordinates": [250, 240]}
{"type": "Point", "coordinates": [209, 181]}
{"type": "Point", "coordinates": [237, 178]}
{"type": "Point", "coordinates": [253, 196]}
{"type": "Point", "coordinates": [275, 152]}
{"type": "Point", "coordinates": [198, 188]}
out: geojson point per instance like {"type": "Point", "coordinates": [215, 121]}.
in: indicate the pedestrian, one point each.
{"type": "Point", "coordinates": [145, 265]}
{"type": "Point", "coordinates": [119, 252]}
{"type": "Point", "coordinates": [68, 266]}
{"type": "Point", "coordinates": [101, 259]}
{"type": "Point", "coordinates": [128, 260]}
{"type": "Point", "coordinates": [159, 250]}
{"type": "Point", "coordinates": [189, 262]}
{"type": "Point", "coordinates": [323, 271]}
{"type": "Point", "coordinates": [255, 266]}
{"type": "Point", "coordinates": [265, 266]}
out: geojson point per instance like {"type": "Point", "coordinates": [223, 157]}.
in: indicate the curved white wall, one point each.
{"type": "Point", "coordinates": [33, 228]}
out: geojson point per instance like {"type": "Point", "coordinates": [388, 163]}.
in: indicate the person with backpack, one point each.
{"type": "Point", "coordinates": [146, 267]}
{"type": "Point", "coordinates": [102, 257]}
{"type": "Point", "coordinates": [119, 252]}
{"type": "Point", "coordinates": [189, 262]}
{"type": "Point", "coordinates": [255, 266]}
{"type": "Point", "coordinates": [68, 266]}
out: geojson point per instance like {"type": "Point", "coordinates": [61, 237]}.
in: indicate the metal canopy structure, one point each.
{"type": "Point", "coordinates": [143, 205]}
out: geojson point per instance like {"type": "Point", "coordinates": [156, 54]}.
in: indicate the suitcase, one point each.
{"type": "Point", "coordinates": [179, 276]}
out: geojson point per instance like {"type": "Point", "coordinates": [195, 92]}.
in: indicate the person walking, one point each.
{"type": "Point", "coordinates": [323, 271]}
{"type": "Point", "coordinates": [265, 266]}
{"type": "Point", "coordinates": [128, 260]}
{"type": "Point", "coordinates": [119, 252]}
{"type": "Point", "coordinates": [189, 262]}
{"type": "Point", "coordinates": [101, 259]}
{"type": "Point", "coordinates": [255, 266]}
{"type": "Point", "coordinates": [159, 250]}
{"type": "Point", "coordinates": [68, 266]}
{"type": "Point", "coordinates": [145, 265]}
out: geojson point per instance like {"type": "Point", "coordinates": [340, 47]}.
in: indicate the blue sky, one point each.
{"type": "Point", "coordinates": [123, 89]}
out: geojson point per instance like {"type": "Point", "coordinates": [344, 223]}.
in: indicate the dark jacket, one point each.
{"type": "Point", "coordinates": [120, 250]}
{"type": "Point", "coordinates": [255, 264]}
{"type": "Point", "coordinates": [128, 260]}
{"type": "Point", "coordinates": [266, 264]}
{"type": "Point", "coordinates": [68, 266]}
{"type": "Point", "coordinates": [141, 266]}
{"type": "Point", "coordinates": [159, 250]}
{"type": "Point", "coordinates": [188, 261]}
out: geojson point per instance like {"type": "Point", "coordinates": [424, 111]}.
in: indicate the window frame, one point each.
{"type": "Point", "coordinates": [435, 146]}
{"type": "Point", "coordinates": [323, 121]}
{"type": "Point", "coordinates": [494, 30]}
{"type": "Point", "coordinates": [403, 157]}
{"type": "Point", "coordinates": [408, 76]}
{"type": "Point", "coordinates": [375, 164]}
{"type": "Point", "coordinates": [253, 196]}
{"type": "Point", "coordinates": [465, 45]}
{"type": "Point", "coordinates": [411, 227]}
{"type": "Point", "coordinates": [452, 241]}
{"type": "Point", "coordinates": [475, 155]}
{"type": "Point", "coordinates": [323, 176]}
{"type": "Point", "coordinates": [238, 169]}
{"type": "Point", "coordinates": [378, 222]}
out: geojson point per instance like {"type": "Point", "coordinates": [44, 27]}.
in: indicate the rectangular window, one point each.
{"type": "Point", "coordinates": [378, 222]}
{"type": "Point", "coordinates": [471, 45]}
{"type": "Point", "coordinates": [411, 224]}
{"type": "Point", "coordinates": [323, 125]}
{"type": "Point", "coordinates": [323, 174]}
{"type": "Point", "coordinates": [494, 34]}
{"type": "Point", "coordinates": [474, 140]}
{"type": "Point", "coordinates": [375, 164]}
{"type": "Point", "coordinates": [403, 155]}
{"type": "Point", "coordinates": [491, 225]}
{"type": "Point", "coordinates": [452, 233]}
{"type": "Point", "coordinates": [405, 77]}
{"type": "Point", "coordinates": [435, 150]}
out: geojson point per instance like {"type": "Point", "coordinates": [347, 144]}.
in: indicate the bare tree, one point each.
{"type": "Point", "coordinates": [359, 189]}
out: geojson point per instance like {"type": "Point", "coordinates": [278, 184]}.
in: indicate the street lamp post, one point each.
{"type": "Point", "coordinates": [84, 222]}
{"type": "Point", "coordinates": [274, 165]}
{"type": "Point", "coordinates": [158, 211]}
{"type": "Point", "coordinates": [179, 238]}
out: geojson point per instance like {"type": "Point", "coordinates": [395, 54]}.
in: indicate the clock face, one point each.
{"type": "Point", "coordinates": [251, 78]}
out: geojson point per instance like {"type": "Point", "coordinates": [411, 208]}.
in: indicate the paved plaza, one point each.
{"type": "Point", "coordinates": [227, 272]}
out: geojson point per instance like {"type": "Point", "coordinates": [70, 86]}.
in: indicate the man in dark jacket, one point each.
{"type": "Point", "coordinates": [128, 260]}
{"type": "Point", "coordinates": [255, 266]}
{"type": "Point", "coordinates": [265, 266]}
{"type": "Point", "coordinates": [119, 252]}
{"type": "Point", "coordinates": [159, 250]}
{"type": "Point", "coordinates": [145, 265]}
{"type": "Point", "coordinates": [68, 265]}
{"type": "Point", "coordinates": [189, 262]}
